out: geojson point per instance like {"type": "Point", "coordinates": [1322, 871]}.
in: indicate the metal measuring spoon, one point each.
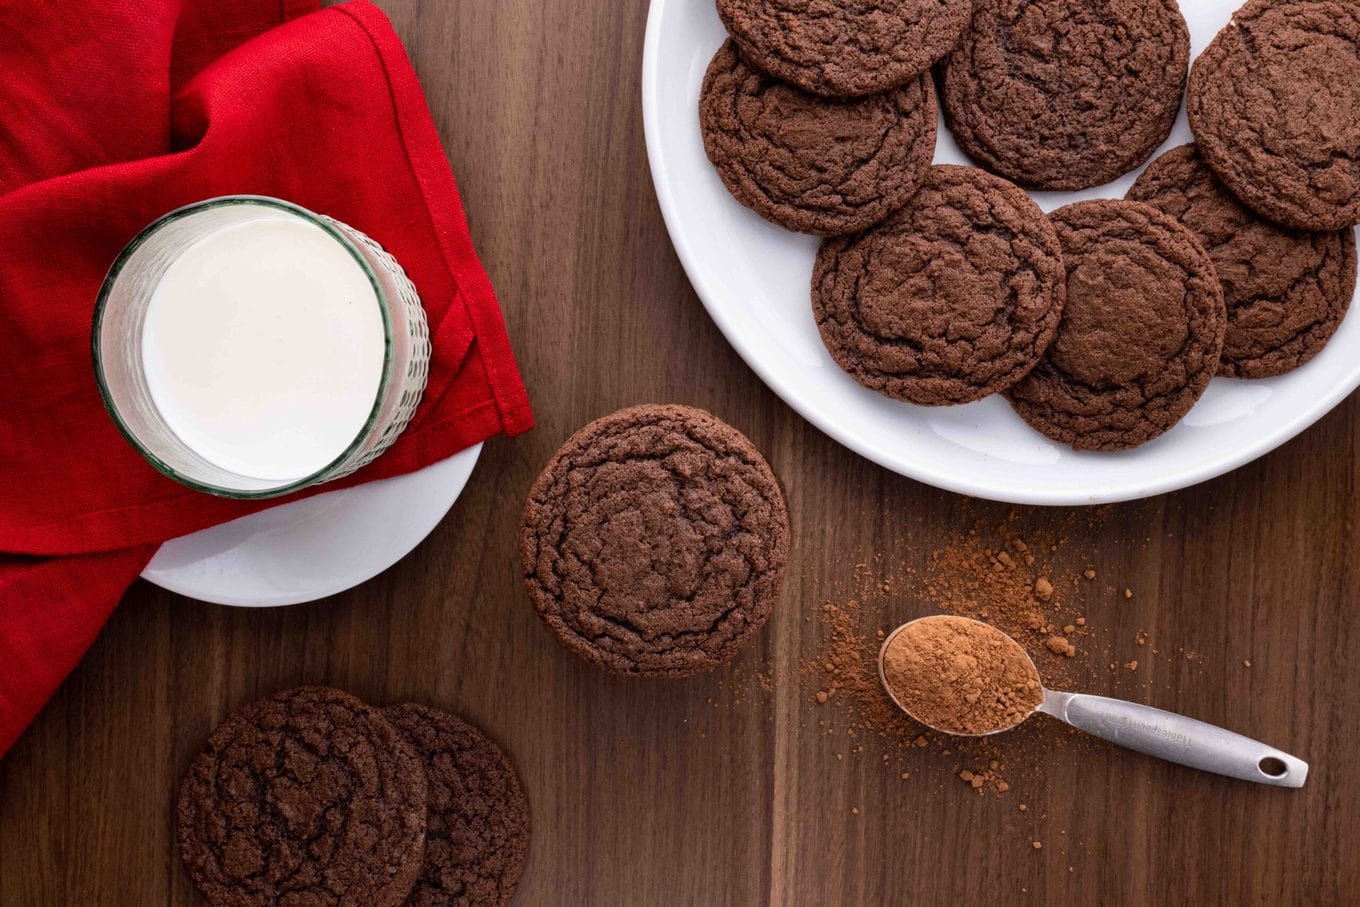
{"type": "Point", "coordinates": [1165, 735]}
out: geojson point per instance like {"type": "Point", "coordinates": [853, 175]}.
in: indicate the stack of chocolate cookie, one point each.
{"type": "Point", "coordinates": [1104, 322]}
{"type": "Point", "coordinates": [312, 797]}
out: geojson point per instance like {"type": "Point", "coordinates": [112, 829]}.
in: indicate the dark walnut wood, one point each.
{"type": "Point", "coordinates": [714, 790]}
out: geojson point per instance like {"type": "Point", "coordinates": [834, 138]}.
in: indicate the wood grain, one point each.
{"type": "Point", "coordinates": [715, 790]}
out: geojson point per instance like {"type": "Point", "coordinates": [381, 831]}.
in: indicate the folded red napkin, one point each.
{"type": "Point", "coordinates": [113, 112]}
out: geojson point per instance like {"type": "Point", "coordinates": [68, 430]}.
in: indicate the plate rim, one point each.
{"type": "Point", "coordinates": [471, 454]}
{"type": "Point", "coordinates": [974, 486]}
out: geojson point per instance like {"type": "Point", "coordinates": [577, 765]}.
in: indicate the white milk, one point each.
{"type": "Point", "coordinates": [263, 348]}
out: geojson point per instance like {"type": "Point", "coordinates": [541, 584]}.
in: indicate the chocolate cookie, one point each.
{"type": "Point", "coordinates": [477, 827]}
{"type": "Point", "coordinates": [840, 49]}
{"type": "Point", "coordinates": [655, 541]}
{"type": "Point", "coordinates": [1274, 103]}
{"type": "Point", "coordinates": [1066, 94]}
{"type": "Point", "coordinates": [813, 164]}
{"type": "Point", "coordinates": [305, 797]}
{"type": "Point", "coordinates": [1286, 290]}
{"type": "Point", "coordinates": [953, 298]}
{"type": "Point", "coordinates": [1141, 332]}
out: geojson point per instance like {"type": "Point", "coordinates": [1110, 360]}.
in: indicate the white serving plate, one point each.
{"type": "Point", "coordinates": [754, 279]}
{"type": "Point", "coordinates": [308, 549]}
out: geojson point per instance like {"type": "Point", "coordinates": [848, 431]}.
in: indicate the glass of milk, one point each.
{"type": "Point", "coordinates": [249, 347]}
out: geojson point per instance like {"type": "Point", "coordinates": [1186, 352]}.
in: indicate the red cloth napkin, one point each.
{"type": "Point", "coordinates": [113, 112]}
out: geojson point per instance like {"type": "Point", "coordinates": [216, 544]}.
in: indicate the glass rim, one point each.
{"type": "Point", "coordinates": [224, 201]}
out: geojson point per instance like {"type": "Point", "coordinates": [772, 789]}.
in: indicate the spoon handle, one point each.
{"type": "Point", "coordinates": [1176, 738]}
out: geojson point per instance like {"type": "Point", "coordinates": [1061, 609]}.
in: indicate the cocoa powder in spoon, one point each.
{"type": "Point", "coordinates": [961, 676]}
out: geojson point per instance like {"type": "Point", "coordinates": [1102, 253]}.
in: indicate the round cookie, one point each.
{"type": "Point", "coordinates": [1286, 290]}
{"type": "Point", "coordinates": [844, 50]}
{"type": "Point", "coordinates": [308, 797]}
{"type": "Point", "coordinates": [477, 826]}
{"type": "Point", "coordinates": [1141, 332]}
{"type": "Point", "coordinates": [953, 298]}
{"type": "Point", "coordinates": [655, 541]}
{"type": "Point", "coordinates": [1274, 103]}
{"type": "Point", "coordinates": [1066, 94]}
{"type": "Point", "coordinates": [810, 164]}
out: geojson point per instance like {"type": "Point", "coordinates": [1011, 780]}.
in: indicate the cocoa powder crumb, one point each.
{"type": "Point", "coordinates": [1088, 573]}
{"type": "Point", "coordinates": [1059, 645]}
{"type": "Point", "coordinates": [1043, 589]}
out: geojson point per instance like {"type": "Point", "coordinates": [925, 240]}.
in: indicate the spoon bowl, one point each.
{"type": "Point", "coordinates": [892, 694]}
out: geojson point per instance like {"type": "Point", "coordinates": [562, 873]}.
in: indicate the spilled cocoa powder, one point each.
{"type": "Point", "coordinates": [990, 572]}
{"type": "Point", "coordinates": [961, 676]}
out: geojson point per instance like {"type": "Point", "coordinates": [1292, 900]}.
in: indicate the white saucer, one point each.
{"type": "Point", "coordinates": [309, 549]}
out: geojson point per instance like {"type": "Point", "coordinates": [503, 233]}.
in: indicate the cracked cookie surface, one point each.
{"type": "Point", "coordinates": [655, 540]}
{"type": "Point", "coordinates": [953, 298]}
{"type": "Point", "coordinates": [477, 825]}
{"type": "Point", "coordinates": [1286, 290]}
{"type": "Point", "coordinates": [1066, 94]}
{"type": "Point", "coordinates": [307, 797]}
{"type": "Point", "coordinates": [1274, 103]}
{"type": "Point", "coordinates": [1141, 332]}
{"type": "Point", "coordinates": [845, 48]}
{"type": "Point", "coordinates": [810, 164]}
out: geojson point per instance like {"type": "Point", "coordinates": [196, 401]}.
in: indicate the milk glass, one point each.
{"type": "Point", "coordinates": [120, 368]}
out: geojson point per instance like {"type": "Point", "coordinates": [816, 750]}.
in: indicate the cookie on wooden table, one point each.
{"type": "Point", "coordinates": [811, 164]}
{"type": "Point", "coordinates": [1274, 102]}
{"type": "Point", "coordinates": [953, 298]}
{"type": "Point", "coordinates": [1286, 290]}
{"type": "Point", "coordinates": [1066, 94]}
{"type": "Point", "coordinates": [304, 797]}
{"type": "Point", "coordinates": [477, 826]}
{"type": "Point", "coordinates": [1141, 332]}
{"type": "Point", "coordinates": [845, 49]}
{"type": "Point", "coordinates": [655, 541]}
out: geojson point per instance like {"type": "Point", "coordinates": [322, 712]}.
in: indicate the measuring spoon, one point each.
{"type": "Point", "coordinates": [1164, 735]}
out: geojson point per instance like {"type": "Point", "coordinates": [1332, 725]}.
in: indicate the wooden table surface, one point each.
{"type": "Point", "coordinates": [727, 788]}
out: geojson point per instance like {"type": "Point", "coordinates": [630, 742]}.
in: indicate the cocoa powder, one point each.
{"type": "Point", "coordinates": [961, 676]}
